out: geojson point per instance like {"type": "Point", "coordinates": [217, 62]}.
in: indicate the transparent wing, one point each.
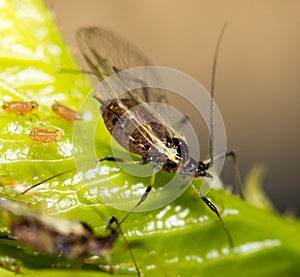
{"type": "Point", "coordinates": [108, 53]}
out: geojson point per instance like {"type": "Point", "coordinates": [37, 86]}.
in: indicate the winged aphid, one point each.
{"type": "Point", "coordinates": [106, 54]}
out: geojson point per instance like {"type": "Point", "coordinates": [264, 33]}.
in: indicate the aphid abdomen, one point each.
{"type": "Point", "coordinates": [113, 112]}
{"type": "Point", "coordinates": [71, 246]}
{"type": "Point", "coordinates": [117, 125]}
{"type": "Point", "coordinates": [102, 246]}
{"type": "Point", "coordinates": [31, 233]}
{"type": "Point", "coordinates": [143, 139]}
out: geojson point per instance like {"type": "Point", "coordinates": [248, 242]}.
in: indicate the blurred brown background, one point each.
{"type": "Point", "coordinates": [258, 75]}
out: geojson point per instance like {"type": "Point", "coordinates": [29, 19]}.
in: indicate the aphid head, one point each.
{"type": "Point", "coordinates": [201, 170]}
{"type": "Point", "coordinates": [34, 106]}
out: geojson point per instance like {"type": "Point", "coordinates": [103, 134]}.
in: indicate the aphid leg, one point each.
{"type": "Point", "coordinates": [215, 210]}
{"type": "Point", "coordinates": [9, 237]}
{"type": "Point", "coordinates": [236, 172]}
{"type": "Point", "coordinates": [99, 98]}
{"type": "Point", "coordinates": [73, 71]}
{"type": "Point", "coordinates": [57, 260]}
{"type": "Point", "coordinates": [143, 198]}
{"type": "Point", "coordinates": [109, 267]}
{"type": "Point", "coordinates": [46, 180]}
{"type": "Point", "coordinates": [37, 116]}
{"type": "Point", "coordinates": [235, 168]}
{"type": "Point", "coordinates": [108, 159]}
{"type": "Point", "coordinates": [109, 226]}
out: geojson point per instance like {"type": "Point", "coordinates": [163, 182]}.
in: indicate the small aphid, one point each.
{"type": "Point", "coordinates": [20, 108]}
{"type": "Point", "coordinates": [45, 135]}
{"type": "Point", "coordinates": [54, 235]}
{"type": "Point", "coordinates": [65, 112]}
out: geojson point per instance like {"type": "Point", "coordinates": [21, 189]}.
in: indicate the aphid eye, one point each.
{"type": "Point", "coordinates": [202, 169]}
{"type": "Point", "coordinates": [156, 127]}
{"type": "Point", "coordinates": [145, 147]}
{"type": "Point", "coordinates": [169, 142]}
{"type": "Point", "coordinates": [176, 141]}
{"type": "Point", "coordinates": [171, 164]}
{"type": "Point", "coordinates": [178, 149]}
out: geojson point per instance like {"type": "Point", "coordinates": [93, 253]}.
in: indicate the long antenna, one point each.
{"type": "Point", "coordinates": [212, 94]}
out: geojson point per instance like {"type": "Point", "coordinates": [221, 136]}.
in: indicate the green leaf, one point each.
{"type": "Point", "coordinates": [183, 238]}
{"type": "Point", "coordinates": [253, 189]}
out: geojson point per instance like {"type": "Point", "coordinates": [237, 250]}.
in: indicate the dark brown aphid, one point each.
{"type": "Point", "coordinates": [66, 112]}
{"type": "Point", "coordinates": [45, 135]}
{"type": "Point", "coordinates": [154, 142]}
{"type": "Point", "coordinates": [54, 235]}
{"type": "Point", "coordinates": [20, 108]}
